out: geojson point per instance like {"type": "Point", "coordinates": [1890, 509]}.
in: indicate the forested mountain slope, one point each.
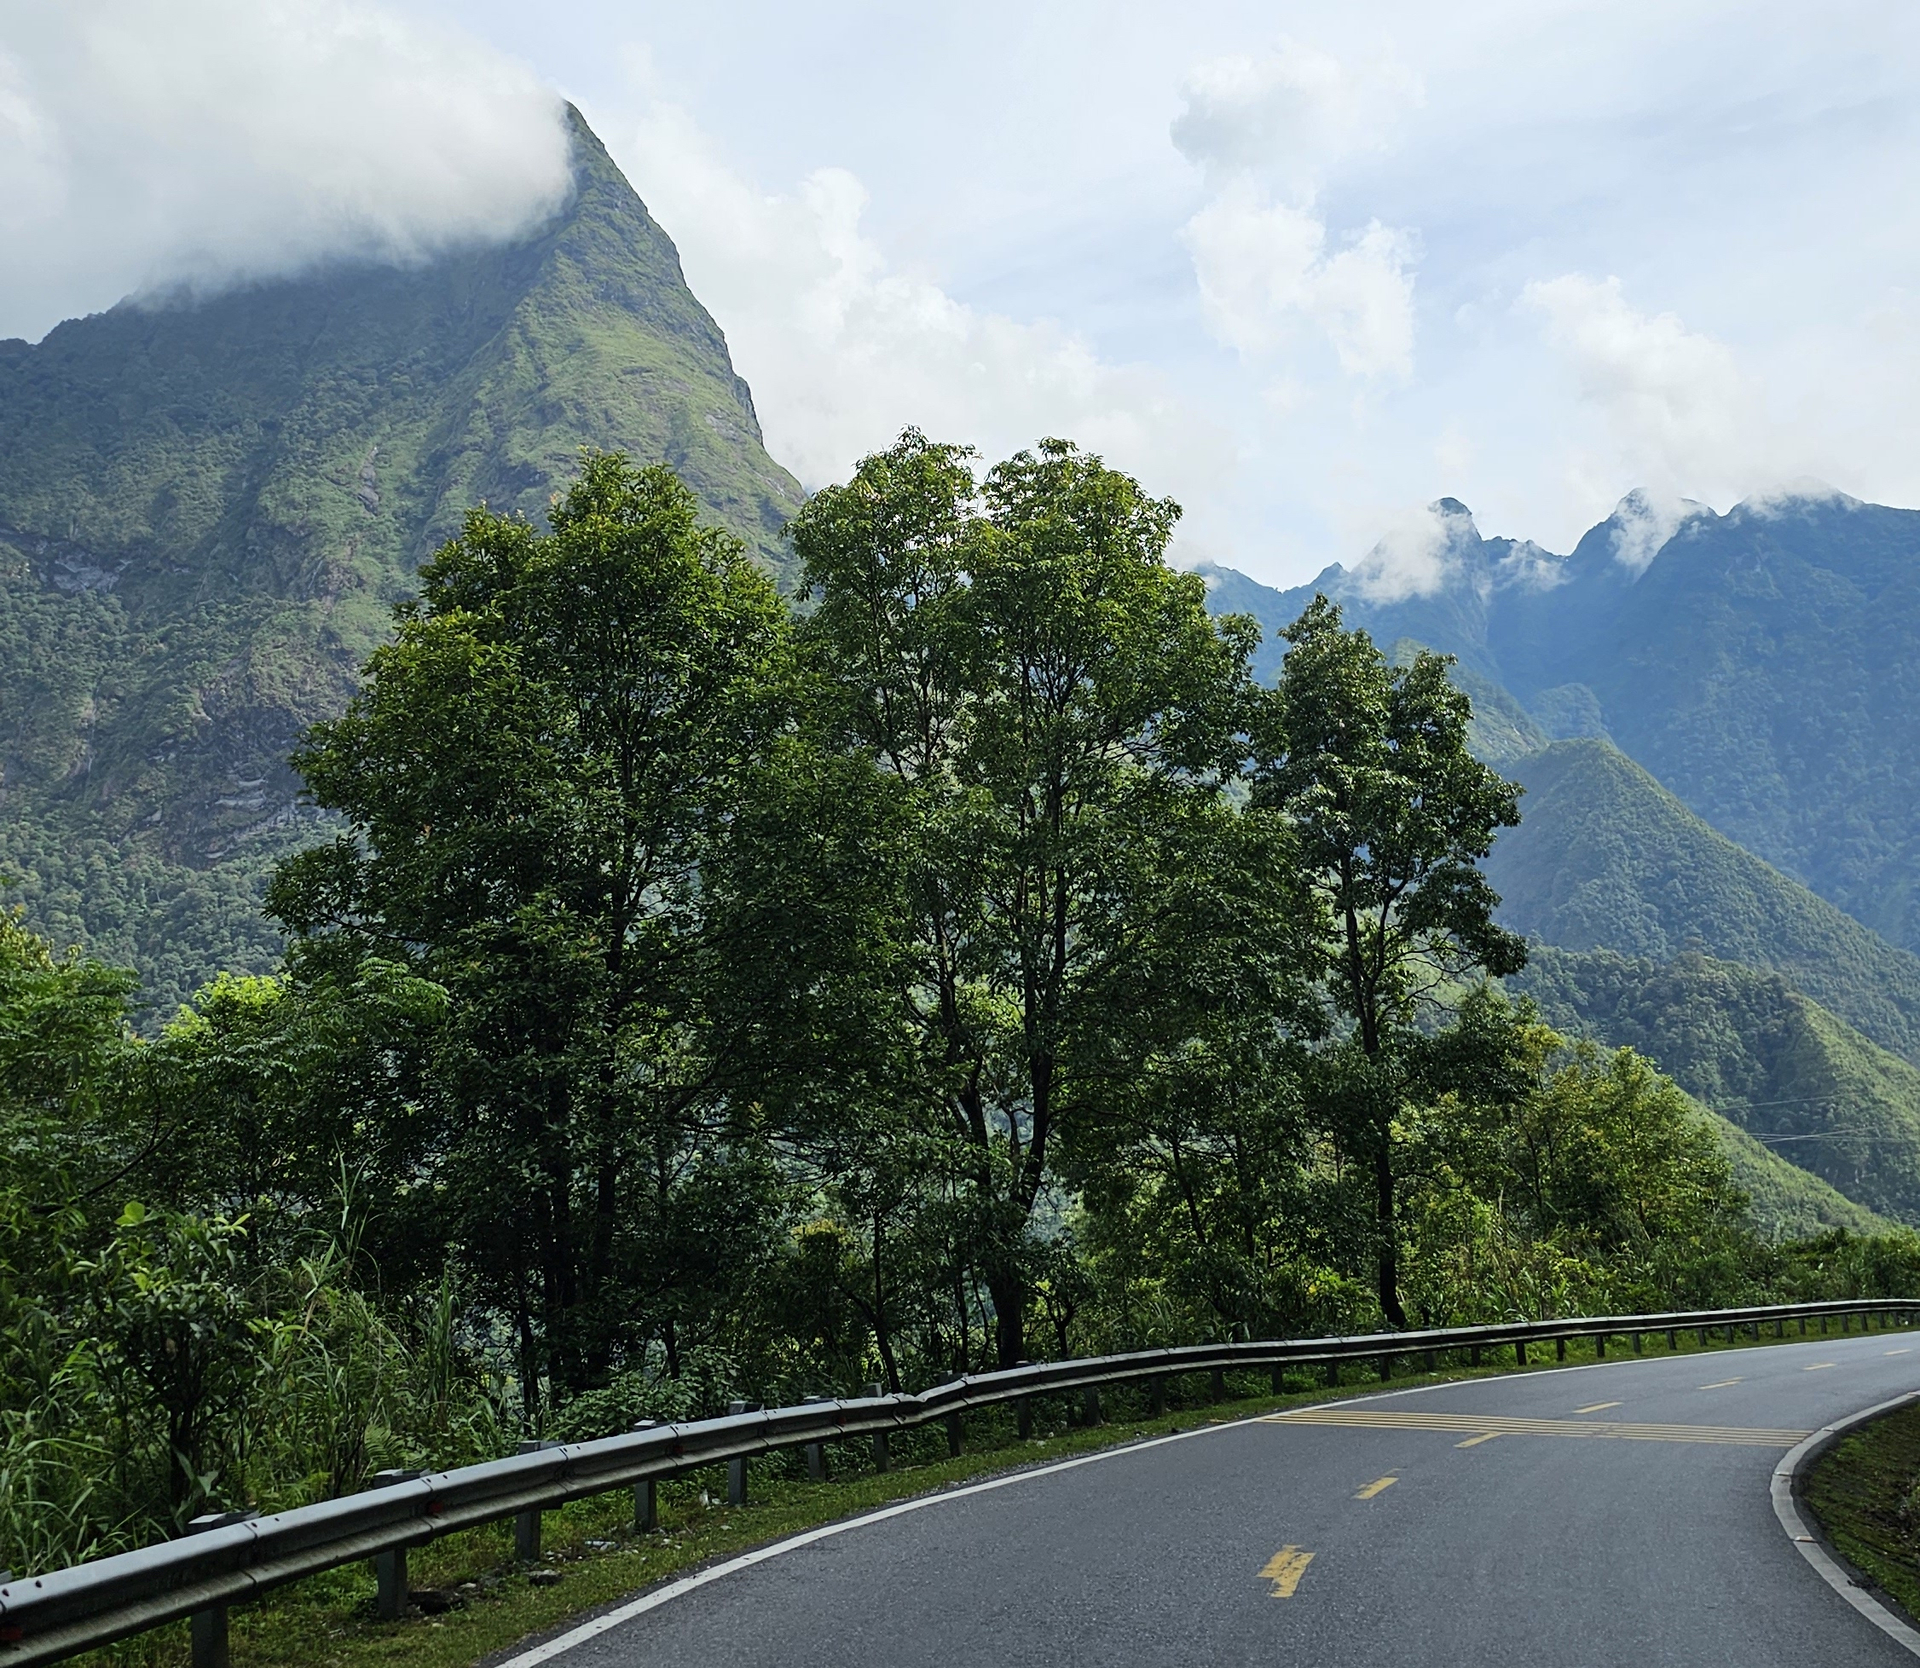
{"type": "Point", "coordinates": [1605, 858]}
{"type": "Point", "coordinates": [1745, 1043]}
{"type": "Point", "coordinates": [207, 512]}
{"type": "Point", "coordinates": [1763, 664]}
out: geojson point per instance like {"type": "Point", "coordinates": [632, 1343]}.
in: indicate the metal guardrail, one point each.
{"type": "Point", "coordinates": [47, 1618]}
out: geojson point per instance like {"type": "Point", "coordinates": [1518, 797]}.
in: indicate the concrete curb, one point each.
{"type": "Point", "coordinates": [1789, 1482]}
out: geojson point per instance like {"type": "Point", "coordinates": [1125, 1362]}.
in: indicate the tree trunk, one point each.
{"type": "Point", "coordinates": [1389, 1239]}
{"type": "Point", "coordinates": [1009, 1293]}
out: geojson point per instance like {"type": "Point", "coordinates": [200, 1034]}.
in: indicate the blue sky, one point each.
{"type": "Point", "coordinates": [1304, 266]}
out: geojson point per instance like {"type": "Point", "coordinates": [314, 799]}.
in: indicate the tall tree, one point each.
{"type": "Point", "coordinates": [1056, 717]}
{"type": "Point", "coordinates": [1392, 814]}
{"type": "Point", "coordinates": [535, 773]}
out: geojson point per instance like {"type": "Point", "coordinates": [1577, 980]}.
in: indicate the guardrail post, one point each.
{"type": "Point", "coordinates": [1846, 1323]}
{"type": "Point", "coordinates": [816, 1452]}
{"type": "Point", "coordinates": [1823, 1326]}
{"type": "Point", "coordinates": [881, 1453]}
{"type": "Point", "coordinates": [1520, 1352]}
{"type": "Point", "coordinates": [646, 1494]}
{"type": "Point", "coordinates": [1433, 1361]}
{"type": "Point", "coordinates": [737, 1468]}
{"type": "Point", "coordinates": [1279, 1378]}
{"type": "Point", "coordinates": [1559, 1349]}
{"type": "Point", "coordinates": [390, 1567]}
{"type": "Point", "coordinates": [1157, 1394]}
{"type": "Point", "coordinates": [1703, 1337]}
{"type": "Point", "coordinates": [208, 1628]}
{"type": "Point", "coordinates": [1217, 1390]}
{"type": "Point", "coordinates": [1090, 1405]}
{"type": "Point", "coordinates": [953, 1436]}
{"type": "Point", "coordinates": [1333, 1374]}
{"type": "Point", "coordinates": [1599, 1346]}
{"type": "Point", "coordinates": [1386, 1366]}
{"type": "Point", "coordinates": [526, 1525]}
{"type": "Point", "coordinates": [1473, 1355]}
{"type": "Point", "coordinates": [1639, 1343]}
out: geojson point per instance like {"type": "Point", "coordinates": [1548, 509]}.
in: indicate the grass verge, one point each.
{"type": "Point", "coordinates": [1865, 1492]}
{"type": "Point", "coordinates": [594, 1556]}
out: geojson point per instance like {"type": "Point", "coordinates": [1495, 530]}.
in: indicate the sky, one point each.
{"type": "Point", "coordinates": [1306, 267]}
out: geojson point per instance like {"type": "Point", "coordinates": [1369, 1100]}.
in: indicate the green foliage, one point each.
{"type": "Point", "coordinates": [1370, 766]}
{"type": "Point", "coordinates": [535, 775]}
{"type": "Point", "coordinates": [1608, 859]}
{"type": "Point", "coordinates": [1774, 1063]}
{"type": "Point", "coordinates": [1053, 720]}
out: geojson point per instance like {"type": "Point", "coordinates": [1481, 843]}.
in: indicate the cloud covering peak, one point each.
{"type": "Point", "coordinates": [147, 149]}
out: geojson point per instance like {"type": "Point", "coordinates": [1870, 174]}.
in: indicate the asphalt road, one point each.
{"type": "Point", "coordinates": [1496, 1521]}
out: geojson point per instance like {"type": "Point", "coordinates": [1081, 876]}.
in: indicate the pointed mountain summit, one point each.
{"type": "Point", "coordinates": [208, 510]}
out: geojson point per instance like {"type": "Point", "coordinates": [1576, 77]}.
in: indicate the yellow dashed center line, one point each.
{"type": "Point", "coordinates": [1480, 1427]}
{"type": "Point", "coordinates": [1284, 1570]}
{"type": "Point", "coordinates": [1378, 1487]}
{"type": "Point", "coordinates": [1722, 1383]}
{"type": "Point", "coordinates": [1596, 1407]}
{"type": "Point", "coordinates": [1819, 1366]}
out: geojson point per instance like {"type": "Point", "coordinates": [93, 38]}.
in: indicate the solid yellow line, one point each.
{"type": "Point", "coordinates": [1475, 1441]}
{"type": "Point", "coordinates": [1284, 1570]}
{"type": "Point", "coordinates": [1379, 1487]}
{"type": "Point", "coordinates": [1596, 1407]}
{"type": "Point", "coordinates": [1722, 1383]}
{"type": "Point", "coordinates": [1480, 1423]}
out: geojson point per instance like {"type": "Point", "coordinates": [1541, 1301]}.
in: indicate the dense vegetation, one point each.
{"type": "Point", "coordinates": [705, 998]}
{"type": "Point", "coordinates": [1745, 1043]}
{"type": "Point", "coordinates": [1608, 859]}
{"type": "Point", "coordinates": [208, 510]}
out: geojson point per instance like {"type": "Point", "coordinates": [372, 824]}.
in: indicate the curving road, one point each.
{"type": "Point", "coordinates": [1612, 1514]}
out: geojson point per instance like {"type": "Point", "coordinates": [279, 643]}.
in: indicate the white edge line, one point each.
{"type": "Point", "coordinates": [608, 1620]}
{"type": "Point", "coordinates": [1805, 1535]}
{"type": "Point", "coordinates": [611, 1619]}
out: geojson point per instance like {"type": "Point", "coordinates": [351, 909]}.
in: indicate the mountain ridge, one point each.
{"type": "Point", "coordinates": [207, 512]}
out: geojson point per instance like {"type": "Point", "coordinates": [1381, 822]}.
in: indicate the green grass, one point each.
{"type": "Point", "coordinates": [1865, 1492]}
{"type": "Point", "coordinates": [592, 1547]}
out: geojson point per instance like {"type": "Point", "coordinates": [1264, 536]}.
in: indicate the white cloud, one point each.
{"type": "Point", "coordinates": [1681, 412]}
{"type": "Point", "coordinates": [843, 349]}
{"type": "Point", "coordinates": [1263, 267]}
{"type": "Point", "coordinates": [1643, 522]}
{"type": "Point", "coordinates": [145, 148]}
{"type": "Point", "coordinates": [1265, 131]}
{"type": "Point", "coordinates": [1416, 556]}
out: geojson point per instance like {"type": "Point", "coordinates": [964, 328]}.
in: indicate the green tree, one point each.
{"type": "Point", "coordinates": [536, 773]}
{"type": "Point", "coordinates": [1055, 719]}
{"type": "Point", "coordinates": [1392, 814]}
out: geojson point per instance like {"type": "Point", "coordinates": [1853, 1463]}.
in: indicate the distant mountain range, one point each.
{"type": "Point", "coordinates": [1715, 719]}
{"type": "Point", "coordinates": [207, 512]}
{"type": "Point", "coordinates": [1764, 665]}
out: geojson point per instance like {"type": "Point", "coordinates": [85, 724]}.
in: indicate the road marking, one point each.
{"type": "Point", "coordinates": [1475, 1441]}
{"type": "Point", "coordinates": [1722, 1383]}
{"type": "Point", "coordinates": [1483, 1425]}
{"type": "Point", "coordinates": [1819, 1366]}
{"type": "Point", "coordinates": [1379, 1487]}
{"type": "Point", "coordinates": [1284, 1570]}
{"type": "Point", "coordinates": [1596, 1407]}
{"type": "Point", "coordinates": [1899, 1352]}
